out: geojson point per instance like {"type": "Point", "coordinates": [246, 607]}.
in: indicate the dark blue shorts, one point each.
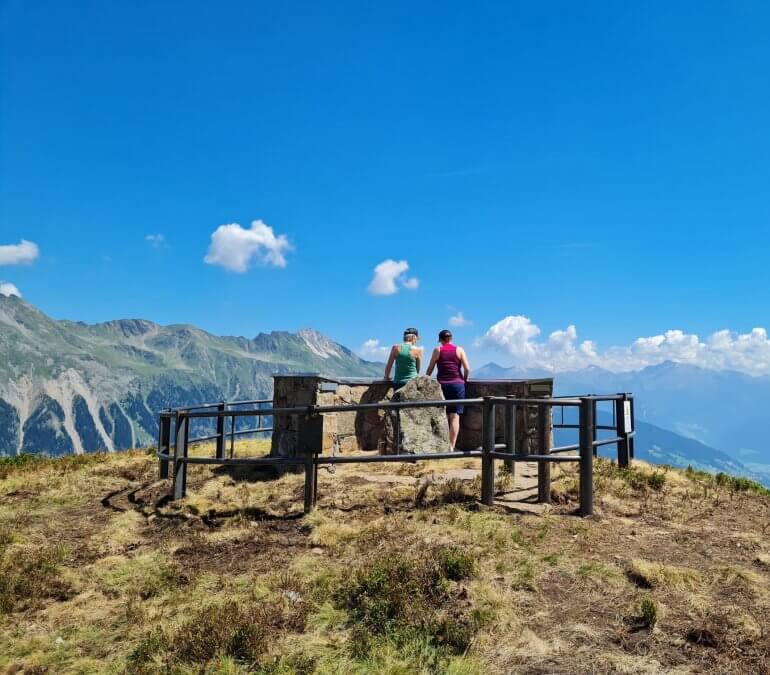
{"type": "Point", "coordinates": [451, 392]}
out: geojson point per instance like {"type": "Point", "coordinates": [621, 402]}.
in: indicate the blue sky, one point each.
{"type": "Point", "coordinates": [564, 163]}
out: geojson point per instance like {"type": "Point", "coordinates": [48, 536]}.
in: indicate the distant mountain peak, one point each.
{"type": "Point", "coordinates": [131, 327]}
{"type": "Point", "coordinates": [319, 344]}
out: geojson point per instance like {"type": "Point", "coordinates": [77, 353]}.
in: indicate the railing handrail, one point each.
{"type": "Point", "coordinates": [194, 412]}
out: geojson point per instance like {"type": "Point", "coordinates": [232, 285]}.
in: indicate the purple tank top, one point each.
{"type": "Point", "coordinates": [448, 365]}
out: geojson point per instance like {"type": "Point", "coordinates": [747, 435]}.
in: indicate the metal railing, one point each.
{"type": "Point", "coordinates": [175, 424]}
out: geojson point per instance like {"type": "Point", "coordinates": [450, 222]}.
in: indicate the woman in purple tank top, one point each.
{"type": "Point", "coordinates": [453, 372]}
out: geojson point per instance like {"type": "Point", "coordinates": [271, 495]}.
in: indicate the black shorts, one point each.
{"type": "Point", "coordinates": [453, 391]}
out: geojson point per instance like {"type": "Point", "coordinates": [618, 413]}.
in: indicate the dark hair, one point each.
{"type": "Point", "coordinates": [445, 334]}
{"type": "Point", "coordinates": [411, 331]}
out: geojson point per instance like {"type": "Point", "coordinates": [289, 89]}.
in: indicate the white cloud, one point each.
{"type": "Point", "coordinates": [156, 240]}
{"type": "Point", "coordinates": [389, 275]}
{"type": "Point", "coordinates": [372, 349]}
{"type": "Point", "coordinates": [23, 253]}
{"type": "Point", "coordinates": [233, 247]}
{"type": "Point", "coordinates": [8, 289]}
{"type": "Point", "coordinates": [458, 320]}
{"type": "Point", "coordinates": [723, 350]}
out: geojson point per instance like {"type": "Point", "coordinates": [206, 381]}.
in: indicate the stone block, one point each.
{"type": "Point", "coordinates": [421, 429]}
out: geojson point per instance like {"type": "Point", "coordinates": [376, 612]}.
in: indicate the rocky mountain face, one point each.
{"type": "Point", "coordinates": [72, 387]}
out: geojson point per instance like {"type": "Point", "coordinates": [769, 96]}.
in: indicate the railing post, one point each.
{"type": "Point", "coordinates": [594, 434]}
{"type": "Point", "coordinates": [310, 481]}
{"type": "Point", "coordinates": [310, 443]}
{"type": "Point", "coordinates": [232, 435]}
{"type": "Point", "coordinates": [622, 432]}
{"type": "Point", "coordinates": [221, 431]}
{"type": "Point", "coordinates": [488, 447]}
{"type": "Point", "coordinates": [510, 435]}
{"type": "Point", "coordinates": [632, 440]}
{"type": "Point", "coordinates": [586, 457]}
{"type": "Point", "coordinates": [544, 448]}
{"type": "Point", "coordinates": [164, 443]}
{"type": "Point", "coordinates": [180, 454]}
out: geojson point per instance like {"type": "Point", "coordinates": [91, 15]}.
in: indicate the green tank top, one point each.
{"type": "Point", "coordinates": [406, 365]}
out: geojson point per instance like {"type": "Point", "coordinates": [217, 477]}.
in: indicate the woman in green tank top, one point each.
{"type": "Point", "coordinates": [407, 356]}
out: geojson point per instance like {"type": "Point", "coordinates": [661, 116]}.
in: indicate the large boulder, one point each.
{"type": "Point", "coordinates": [421, 429]}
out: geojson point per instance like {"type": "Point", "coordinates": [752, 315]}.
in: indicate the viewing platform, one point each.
{"type": "Point", "coordinates": [320, 421]}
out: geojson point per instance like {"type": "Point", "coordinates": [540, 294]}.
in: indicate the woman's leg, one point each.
{"type": "Point", "coordinates": [454, 428]}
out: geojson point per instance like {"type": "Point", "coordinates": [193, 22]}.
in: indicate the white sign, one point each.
{"type": "Point", "coordinates": [627, 425]}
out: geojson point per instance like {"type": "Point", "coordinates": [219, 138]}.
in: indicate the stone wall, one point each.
{"type": "Point", "coordinates": [373, 430]}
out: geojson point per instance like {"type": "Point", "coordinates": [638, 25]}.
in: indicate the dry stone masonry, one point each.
{"type": "Point", "coordinates": [421, 429]}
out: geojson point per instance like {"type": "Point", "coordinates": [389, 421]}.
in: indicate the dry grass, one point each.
{"type": "Point", "coordinates": [398, 571]}
{"type": "Point", "coordinates": [647, 574]}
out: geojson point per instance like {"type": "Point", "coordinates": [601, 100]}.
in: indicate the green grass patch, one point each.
{"type": "Point", "coordinates": [552, 559]}
{"type": "Point", "coordinates": [648, 614]}
{"type": "Point", "coordinates": [144, 576]}
{"type": "Point", "coordinates": [27, 462]}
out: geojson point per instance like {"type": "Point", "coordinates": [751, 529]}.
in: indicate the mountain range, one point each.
{"type": "Point", "coordinates": [72, 387]}
{"type": "Point", "coordinates": [67, 387]}
{"type": "Point", "coordinates": [685, 414]}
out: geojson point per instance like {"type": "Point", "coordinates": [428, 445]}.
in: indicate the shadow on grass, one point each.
{"type": "Point", "coordinates": [248, 474]}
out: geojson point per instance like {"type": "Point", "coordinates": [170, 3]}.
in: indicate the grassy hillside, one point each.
{"type": "Point", "coordinates": [398, 571]}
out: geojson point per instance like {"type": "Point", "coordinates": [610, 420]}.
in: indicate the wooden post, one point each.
{"type": "Point", "coordinates": [586, 457]}
{"type": "Point", "coordinates": [488, 447]}
{"type": "Point", "coordinates": [544, 448]}
{"type": "Point", "coordinates": [180, 454]}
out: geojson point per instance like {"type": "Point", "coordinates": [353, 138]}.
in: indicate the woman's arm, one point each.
{"type": "Point", "coordinates": [464, 362]}
{"type": "Point", "coordinates": [433, 360]}
{"type": "Point", "coordinates": [418, 358]}
{"type": "Point", "coordinates": [389, 364]}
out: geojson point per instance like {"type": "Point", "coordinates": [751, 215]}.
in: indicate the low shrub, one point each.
{"type": "Point", "coordinates": [228, 630]}
{"type": "Point", "coordinates": [407, 600]}
{"type": "Point", "coordinates": [456, 563]}
{"type": "Point", "coordinates": [640, 479]}
{"type": "Point", "coordinates": [29, 575]}
{"type": "Point", "coordinates": [734, 483]}
{"type": "Point", "coordinates": [738, 484]}
{"type": "Point", "coordinates": [233, 630]}
{"type": "Point", "coordinates": [455, 491]}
